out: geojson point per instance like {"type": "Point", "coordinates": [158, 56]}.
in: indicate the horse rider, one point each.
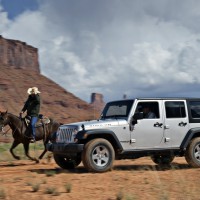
{"type": "Point", "coordinates": [32, 106]}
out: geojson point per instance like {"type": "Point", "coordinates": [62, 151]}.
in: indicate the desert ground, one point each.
{"type": "Point", "coordinates": [130, 179]}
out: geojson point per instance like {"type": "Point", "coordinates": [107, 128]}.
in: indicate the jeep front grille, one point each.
{"type": "Point", "coordinates": [65, 135]}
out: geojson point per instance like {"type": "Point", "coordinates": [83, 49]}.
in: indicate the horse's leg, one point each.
{"type": "Point", "coordinates": [26, 149]}
{"type": "Point", "coordinates": [45, 141]}
{"type": "Point", "coordinates": [14, 144]}
{"type": "Point", "coordinates": [45, 150]}
{"type": "Point", "coordinates": [42, 154]}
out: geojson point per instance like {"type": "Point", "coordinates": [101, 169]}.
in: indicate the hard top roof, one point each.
{"type": "Point", "coordinates": [159, 98]}
{"type": "Point", "coordinates": [168, 98]}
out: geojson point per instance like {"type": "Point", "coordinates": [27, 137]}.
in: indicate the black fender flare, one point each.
{"type": "Point", "coordinates": [190, 134]}
{"type": "Point", "coordinates": [99, 133]}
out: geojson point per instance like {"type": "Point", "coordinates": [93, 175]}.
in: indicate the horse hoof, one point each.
{"type": "Point", "coordinates": [37, 161]}
{"type": "Point", "coordinates": [17, 157]}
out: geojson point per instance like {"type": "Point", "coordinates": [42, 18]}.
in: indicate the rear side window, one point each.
{"type": "Point", "coordinates": [175, 109]}
{"type": "Point", "coordinates": [195, 109]}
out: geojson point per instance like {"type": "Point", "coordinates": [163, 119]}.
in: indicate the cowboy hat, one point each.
{"type": "Point", "coordinates": [33, 90]}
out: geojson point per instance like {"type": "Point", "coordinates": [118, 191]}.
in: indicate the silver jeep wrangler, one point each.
{"type": "Point", "coordinates": [161, 128]}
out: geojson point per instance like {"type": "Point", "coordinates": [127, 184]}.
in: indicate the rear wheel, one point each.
{"type": "Point", "coordinates": [162, 159]}
{"type": "Point", "coordinates": [192, 154]}
{"type": "Point", "coordinates": [98, 155]}
{"type": "Point", "coordinates": [67, 163]}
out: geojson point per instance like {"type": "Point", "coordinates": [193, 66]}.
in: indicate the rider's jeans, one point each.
{"type": "Point", "coordinates": [33, 122]}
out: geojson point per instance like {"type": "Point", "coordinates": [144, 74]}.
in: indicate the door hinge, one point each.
{"type": "Point", "coordinates": [166, 127]}
{"type": "Point", "coordinates": [133, 141]}
{"type": "Point", "coordinates": [167, 139]}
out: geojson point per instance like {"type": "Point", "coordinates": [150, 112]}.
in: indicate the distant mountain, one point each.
{"type": "Point", "coordinates": [19, 70]}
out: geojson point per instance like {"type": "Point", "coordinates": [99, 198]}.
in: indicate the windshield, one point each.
{"type": "Point", "coordinates": [117, 109]}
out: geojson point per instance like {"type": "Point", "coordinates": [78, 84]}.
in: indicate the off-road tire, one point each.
{"type": "Point", "coordinates": [162, 159]}
{"type": "Point", "coordinates": [192, 154]}
{"type": "Point", "coordinates": [67, 163]}
{"type": "Point", "coordinates": [98, 155]}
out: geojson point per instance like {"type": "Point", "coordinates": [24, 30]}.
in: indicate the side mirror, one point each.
{"type": "Point", "coordinates": [136, 116]}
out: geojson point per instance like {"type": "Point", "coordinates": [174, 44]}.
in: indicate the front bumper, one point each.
{"type": "Point", "coordinates": [60, 148]}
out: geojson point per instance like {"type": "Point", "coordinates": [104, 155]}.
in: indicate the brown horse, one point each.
{"type": "Point", "coordinates": [21, 133]}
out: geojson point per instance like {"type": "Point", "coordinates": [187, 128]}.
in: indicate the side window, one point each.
{"type": "Point", "coordinates": [150, 109]}
{"type": "Point", "coordinates": [175, 109]}
{"type": "Point", "coordinates": [195, 109]}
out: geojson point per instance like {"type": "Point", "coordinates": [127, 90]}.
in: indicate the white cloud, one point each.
{"type": "Point", "coordinates": [132, 47]}
{"type": "Point", "coordinates": [4, 19]}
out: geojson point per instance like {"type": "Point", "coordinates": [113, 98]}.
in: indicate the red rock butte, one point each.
{"type": "Point", "coordinates": [18, 55]}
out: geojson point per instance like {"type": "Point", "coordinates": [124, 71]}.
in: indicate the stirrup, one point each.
{"type": "Point", "coordinates": [32, 140]}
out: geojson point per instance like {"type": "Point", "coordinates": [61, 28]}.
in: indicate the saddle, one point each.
{"type": "Point", "coordinates": [42, 120]}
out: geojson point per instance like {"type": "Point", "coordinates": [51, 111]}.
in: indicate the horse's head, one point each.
{"type": "Point", "coordinates": [3, 119]}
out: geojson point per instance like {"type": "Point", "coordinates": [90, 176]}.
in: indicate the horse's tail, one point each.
{"type": "Point", "coordinates": [53, 129]}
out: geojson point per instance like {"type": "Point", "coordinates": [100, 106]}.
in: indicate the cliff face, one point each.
{"type": "Point", "coordinates": [20, 70]}
{"type": "Point", "coordinates": [18, 55]}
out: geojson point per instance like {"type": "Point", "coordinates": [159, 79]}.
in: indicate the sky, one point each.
{"type": "Point", "coordinates": [136, 48]}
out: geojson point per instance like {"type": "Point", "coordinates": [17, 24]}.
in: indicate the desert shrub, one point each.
{"type": "Point", "coordinates": [35, 187]}
{"type": "Point", "coordinates": [50, 173]}
{"type": "Point", "coordinates": [2, 193]}
{"type": "Point", "coordinates": [119, 195]}
{"type": "Point", "coordinates": [50, 190]}
{"type": "Point", "coordinates": [68, 187]}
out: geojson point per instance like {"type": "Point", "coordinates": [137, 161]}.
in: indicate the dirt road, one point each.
{"type": "Point", "coordinates": [129, 179]}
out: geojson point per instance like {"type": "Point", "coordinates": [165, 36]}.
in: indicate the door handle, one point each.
{"type": "Point", "coordinates": [182, 124]}
{"type": "Point", "coordinates": [157, 124]}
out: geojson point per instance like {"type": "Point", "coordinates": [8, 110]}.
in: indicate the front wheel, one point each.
{"type": "Point", "coordinates": [192, 154]}
{"type": "Point", "coordinates": [67, 163]}
{"type": "Point", "coordinates": [162, 159]}
{"type": "Point", "coordinates": [98, 155]}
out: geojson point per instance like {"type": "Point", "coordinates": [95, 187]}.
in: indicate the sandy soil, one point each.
{"type": "Point", "coordinates": [129, 179]}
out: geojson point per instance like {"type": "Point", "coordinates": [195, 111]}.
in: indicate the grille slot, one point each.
{"type": "Point", "coordinates": [65, 135]}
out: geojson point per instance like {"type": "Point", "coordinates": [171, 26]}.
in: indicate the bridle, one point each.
{"type": "Point", "coordinates": [2, 125]}
{"type": "Point", "coordinates": [8, 123]}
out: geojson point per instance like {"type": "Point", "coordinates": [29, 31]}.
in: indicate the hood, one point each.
{"type": "Point", "coordinates": [96, 124]}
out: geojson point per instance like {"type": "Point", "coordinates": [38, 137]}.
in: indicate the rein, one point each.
{"type": "Point", "coordinates": [16, 127]}
{"type": "Point", "coordinates": [5, 132]}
